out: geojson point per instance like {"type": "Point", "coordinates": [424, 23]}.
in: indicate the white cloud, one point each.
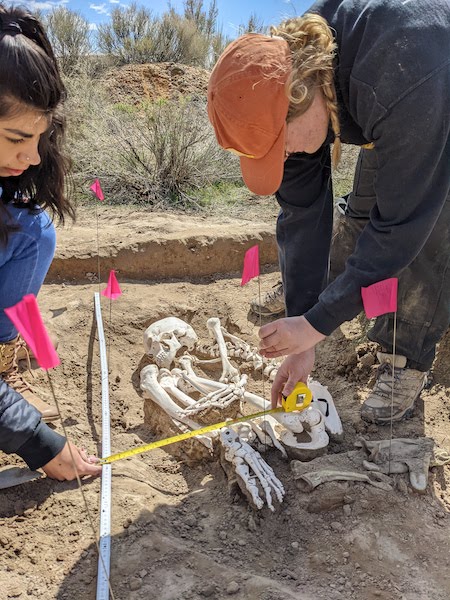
{"type": "Point", "coordinates": [114, 1]}
{"type": "Point", "coordinates": [99, 8]}
{"type": "Point", "coordinates": [93, 26]}
{"type": "Point", "coordinates": [46, 5]}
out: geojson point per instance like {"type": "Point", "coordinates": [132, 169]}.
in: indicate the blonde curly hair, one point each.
{"type": "Point", "coordinates": [313, 49]}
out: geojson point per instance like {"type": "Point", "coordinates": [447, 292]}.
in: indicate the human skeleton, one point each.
{"type": "Point", "coordinates": [188, 398]}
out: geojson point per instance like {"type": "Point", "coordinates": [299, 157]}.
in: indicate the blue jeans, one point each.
{"type": "Point", "coordinates": [24, 262]}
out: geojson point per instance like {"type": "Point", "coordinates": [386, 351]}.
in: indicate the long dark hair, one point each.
{"type": "Point", "coordinates": [30, 80]}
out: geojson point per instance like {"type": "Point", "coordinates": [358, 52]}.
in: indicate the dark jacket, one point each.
{"type": "Point", "coordinates": [22, 432]}
{"type": "Point", "coordinates": [392, 79]}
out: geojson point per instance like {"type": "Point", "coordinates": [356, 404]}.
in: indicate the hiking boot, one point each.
{"type": "Point", "coordinates": [271, 303]}
{"type": "Point", "coordinates": [24, 352]}
{"type": "Point", "coordinates": [9, 372]}
{"type": "Point", "coordinates": [408, 383]}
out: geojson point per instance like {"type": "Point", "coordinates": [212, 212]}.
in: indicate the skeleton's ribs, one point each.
{"type": "Point", "coordinates": [240, 349]}
{"type": "Point", "coordinates": [229, 373]}
{"type": "Point", "coordinates": [249, 353]}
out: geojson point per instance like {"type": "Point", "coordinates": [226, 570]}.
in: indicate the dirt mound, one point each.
{"type": "Point", "coordinates": [135, 83]}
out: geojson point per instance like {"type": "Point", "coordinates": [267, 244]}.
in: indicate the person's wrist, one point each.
{"type": "Point", "coordinates": [42, 447]}
{"type": "Point", "coordinates": [315, 334]}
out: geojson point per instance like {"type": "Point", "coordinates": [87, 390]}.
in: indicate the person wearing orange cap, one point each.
{"type": "Point", "coordinates": [374, 74]}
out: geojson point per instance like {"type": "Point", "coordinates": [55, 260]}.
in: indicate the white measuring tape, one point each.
{"type": "Point", "coordinates": [104, 559]}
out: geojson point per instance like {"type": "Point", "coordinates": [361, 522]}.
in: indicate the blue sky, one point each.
{"type": "Point", "coordinates": [231, 12]}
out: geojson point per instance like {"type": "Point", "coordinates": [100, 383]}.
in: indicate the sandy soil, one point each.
{"type": "Point", "coordinates": [178, 533]}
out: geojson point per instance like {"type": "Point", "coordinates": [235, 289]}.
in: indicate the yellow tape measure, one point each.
{"type": "Point", "coordinates": [289, 404]}
{"type": "Point", "coordinates": [298, 399]}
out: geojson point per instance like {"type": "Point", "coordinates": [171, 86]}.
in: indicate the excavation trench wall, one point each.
{"type": "Point", "coordinates": [149, 247]}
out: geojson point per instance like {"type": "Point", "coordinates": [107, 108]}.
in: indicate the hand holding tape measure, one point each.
{"type": "Point", "coordinates": [299, 399]}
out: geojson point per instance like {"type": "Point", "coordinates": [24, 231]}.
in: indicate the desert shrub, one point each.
{"type": "Point", "coordinates": [205, 19]}
{"type": "Point", "coordinates": [163, 154]}
{"type": "Point", "coordinates": [129, 36]}
{"type": "Point", "coordinates": [158, 153]}
{"type": "Point", "coordinates": [134, 35]}
{"type": "Point", "coordinates": [254, 24]}
{"type": "Point", "coordinates": [178, 40]}
{"type": "Point", "coordinates": [69, 34]}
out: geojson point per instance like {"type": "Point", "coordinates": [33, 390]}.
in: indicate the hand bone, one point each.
{"type": "Point", "coordinates": [218, 399]}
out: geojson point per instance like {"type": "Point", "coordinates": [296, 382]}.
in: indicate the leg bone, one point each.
{"type": "Point", "coordinates": [229, 372]}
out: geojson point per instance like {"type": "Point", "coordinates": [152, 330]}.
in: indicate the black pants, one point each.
{"type": "Point", "coordinates": [304, 235]}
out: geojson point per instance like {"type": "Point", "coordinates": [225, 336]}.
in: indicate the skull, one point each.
{"type": "Point", "coordinates": [164, 338]}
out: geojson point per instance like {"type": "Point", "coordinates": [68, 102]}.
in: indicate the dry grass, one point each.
{"type": "Point", "coordinates": [162, 154]}
{"type": "Point", "coordinates": [343, 175]}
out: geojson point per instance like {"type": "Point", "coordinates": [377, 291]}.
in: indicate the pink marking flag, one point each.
{"type": "Point", "coordinates": [112, 290]}
{"type": "Point", "coordinates": [97, 189]}
{"type": "Point", "coordinates": [251, 265]}
{"type": "Point", "coordinates": [28, 321]}
{"type": "Point", "coordinates": [380, 298]}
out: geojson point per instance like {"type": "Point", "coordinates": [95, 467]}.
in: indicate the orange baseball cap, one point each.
{"type": "Point", "coordinates": [248, 106]}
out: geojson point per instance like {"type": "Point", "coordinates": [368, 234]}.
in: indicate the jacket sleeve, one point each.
{"type": "Point", "coordinates": [412, 143]}
{"type": "Point", "coordinates": [22, 432]}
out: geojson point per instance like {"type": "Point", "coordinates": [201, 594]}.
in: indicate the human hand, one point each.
{"type": "Point", "coordinates": [61, 467]}
{"type": "Point", "coordinates": [291, 335]}
{"type": "Point", "coordinates": [294, 368]}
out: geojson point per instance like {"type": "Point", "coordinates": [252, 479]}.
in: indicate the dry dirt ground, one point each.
{"type": "Point", "coordinates": [177, 531]}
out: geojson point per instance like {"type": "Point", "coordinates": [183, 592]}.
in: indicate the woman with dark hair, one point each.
{"type": "Point", "coordinates": [33, 170]}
